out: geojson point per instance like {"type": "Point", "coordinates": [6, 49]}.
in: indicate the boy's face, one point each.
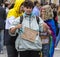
{"type": "Point", "coordinates": [27, 10]}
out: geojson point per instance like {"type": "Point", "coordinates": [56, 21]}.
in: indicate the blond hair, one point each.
{"type": "Point", "coordinates": [48, 13]}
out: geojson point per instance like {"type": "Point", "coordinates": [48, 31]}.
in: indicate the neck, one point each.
{"type": "Point", "coordinates": [28, 14]}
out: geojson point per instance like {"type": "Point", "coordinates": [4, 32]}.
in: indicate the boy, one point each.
{"type": "Point", "coordinates": [29, 20]}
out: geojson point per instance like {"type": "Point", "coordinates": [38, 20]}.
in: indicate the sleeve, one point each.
{"type": "Point", "coordinates": [9, 22]}
{"type": "Point", "coordinates": [14, 22]}
{"type": "Point", "coordinates": [12, 34]}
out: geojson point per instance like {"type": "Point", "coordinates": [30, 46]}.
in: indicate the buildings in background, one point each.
{"type": "Point", "coordinates": [57, 2]}
{"type": "Point", "coordinates": [11, 1]}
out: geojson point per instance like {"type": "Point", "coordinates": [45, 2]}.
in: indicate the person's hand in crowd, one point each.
{"type": "Point", "coordinates": [13, 29]}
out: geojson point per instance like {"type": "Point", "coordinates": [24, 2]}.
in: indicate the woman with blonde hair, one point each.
{"type": "Point", "coordinates": [47, 16]}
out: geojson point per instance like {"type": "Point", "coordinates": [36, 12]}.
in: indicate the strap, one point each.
{"type": "Point", "coordinates": [21, 19]}
{"type": "Point", "coordinates": [37, 19]}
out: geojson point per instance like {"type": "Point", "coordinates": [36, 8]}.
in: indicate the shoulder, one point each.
{"type": "Point", "coordinates": [11, 10]}
{"type": "Point", "coordinates": [18, 18]}
{"type": "Point", "coordinates": [11, 13]}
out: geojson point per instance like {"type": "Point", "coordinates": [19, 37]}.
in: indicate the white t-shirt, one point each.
{"type": "Point", "coordinates": [9, 22]}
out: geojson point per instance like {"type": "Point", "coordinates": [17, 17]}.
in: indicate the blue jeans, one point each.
{"type": "Point", "coordinates": [45, 50]}
{"type": "Point", "coordinates": [1, 39]}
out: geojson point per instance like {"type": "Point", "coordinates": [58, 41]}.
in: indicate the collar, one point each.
{"type": "Point", "coordinates": [31, 15]}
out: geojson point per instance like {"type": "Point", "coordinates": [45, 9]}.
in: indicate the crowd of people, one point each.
{"type": "Point", "coordinates": [43, 19]}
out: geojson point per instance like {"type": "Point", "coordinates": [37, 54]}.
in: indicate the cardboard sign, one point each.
{"type": "Point", "coordinates": [29, 34]}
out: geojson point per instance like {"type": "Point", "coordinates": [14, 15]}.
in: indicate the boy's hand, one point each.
{"type": "Point", "coordinates": [49, 31]}
{"type": "Point", "coordinates": [45, 27]}
{"type": "Point", "coordinates": [18, 26]}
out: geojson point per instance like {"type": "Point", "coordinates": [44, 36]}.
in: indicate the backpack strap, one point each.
{"type": "Point", "coordinates": [37, 19]}
{"type": "Point", "coordinates": [21, 19]}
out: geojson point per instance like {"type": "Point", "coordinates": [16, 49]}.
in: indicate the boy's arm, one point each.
{"type": "Point", "coordinates": [44, 27]}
